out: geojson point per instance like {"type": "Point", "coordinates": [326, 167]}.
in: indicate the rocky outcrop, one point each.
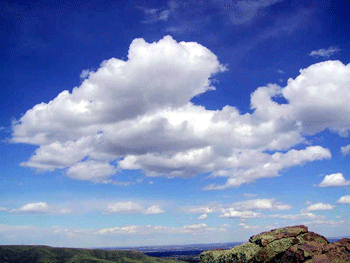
{"type": "Point", "coordinates": [294, 244]}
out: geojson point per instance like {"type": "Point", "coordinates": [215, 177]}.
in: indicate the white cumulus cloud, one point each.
{"type": "Point", "coordinates": [137, 114]}
{"type": "Point", "coordinates": [154, 209]}
{"type": "Point", "coordinates": [232, 213]}
{"type": "Point", "coordinates": [91, 171]}
{"type": "Point", "coordinates": [344, 199]}
{"type": "Point", "coordinates": [336, 179]}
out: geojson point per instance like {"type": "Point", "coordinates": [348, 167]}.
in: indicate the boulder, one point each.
{"type": "Point", "coordinates": [292, 244]}
{"type": "Point", "coordinates": [344, 242]}
{"type": "Point", "coordinates": [265, 238]}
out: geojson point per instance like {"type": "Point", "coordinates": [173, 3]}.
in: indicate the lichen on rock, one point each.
{"type": "Point", "coordinates": [293, 244]}
{"type": "Point", "coordinates": [265, 238]}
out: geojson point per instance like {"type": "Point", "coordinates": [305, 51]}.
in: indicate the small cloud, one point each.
{"type": "Point", "coordinates": [336, 179]}
{"type": "Point", "coordinates": [326, 222]}
{"type": "Point", "coordinates": [64, 211]}
{"type": "Point", "coordinates": [164, 15]}
{"type": "Point", "coordinates": [202, 210]}
{"type": "Point", "coordinates": [245, 226]}
{"type": "Point", "coordinates": [344, 200]}
{"type": "Point", "coordinates": [173, 30]}
{"type": "Point", "coordinates": [302, 215]}
{"type": "Point", "coordinates": [124, 207]}
{"type": "Point", "coordinates": [131, 208]}
{"type": "Point", "coordinates": [40, 207]}
{"type": "Point", "coordinates": [324, 52]}
{"type": "Point", "coordinates": [319, 206]}
{"type": "Point", "coordinates": [118, 183]}
{"type": "Point", "coordinates": [345, 150]}
{"type": "Point", "coordinates": [196, 228]}
{"type": "Point", "coordinates": [153, 15]}
{"type": "Point", "coordinates": [85, 73]}
{"type": "Point", "coordinates": [153, 210]}
{"type": "Point", "coordinates": [261, 204]}
{"type": "Point", "coordinates": [118, 230]}
{"type": "Point", "coordinates": [231, 213]}
{"type": "Point", "coordinates": [3, 209]}
{"type": "Point", "coordinates": [202, 217]}
{"type": "Point", "coordinates": [280, 71]}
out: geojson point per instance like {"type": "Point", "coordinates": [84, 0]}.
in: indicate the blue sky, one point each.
{"type": "Point", "coordinates": [130, 123]}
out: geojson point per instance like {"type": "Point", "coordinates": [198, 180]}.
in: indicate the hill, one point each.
{"type": "Point", "coordinates": [45, 254]}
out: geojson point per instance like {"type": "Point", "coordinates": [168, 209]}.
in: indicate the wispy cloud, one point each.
{"type": "Point", "coordinates": [325, 223]}
{"type": "Point", "coordinates": [38, 208]}
{"type": "Point", "coordinates": [72, 237]}
{"type": "Point", "coordinates": [261, 204]}
{"type": "Point", "coordinates": [149, 229]}
{"type": "Point", "coordinates": [320, 207]}
{"type": "Point", "coordinates": [202, 217]}
{"type": "Point", "coordinates": [203, 209]}
{"type": "Point", "coordinates": [248, 195]}
{"type": "Point", "coordinates": [245, 226]}
{"type": "Point", "coordinates": [302, 215]}
{"type": "Point", "coordinates": [326, 53]}
{"type": "Point", "coordinates": [131, 208]}
{"type": "Point", "coordinates": [242, 12]}
{"type": "Point", "coordinates": [84, 74]}
{"type": "Point", "coordinates": [153, 15]}
{"type": "Point", "coordinates": [345, 150]}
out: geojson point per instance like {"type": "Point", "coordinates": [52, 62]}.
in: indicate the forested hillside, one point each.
{"type": "Point", "coordinates": [45, 254]}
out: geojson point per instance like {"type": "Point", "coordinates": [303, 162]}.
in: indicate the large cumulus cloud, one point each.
{"type": "Point", "coordinates": [137, 114]}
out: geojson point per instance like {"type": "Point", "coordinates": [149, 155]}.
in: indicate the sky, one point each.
{"type": "Point", "coordinates": [135, 123]}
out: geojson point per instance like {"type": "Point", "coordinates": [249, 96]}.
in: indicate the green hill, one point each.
{"type": "Point", "coordinates": [45, 254]}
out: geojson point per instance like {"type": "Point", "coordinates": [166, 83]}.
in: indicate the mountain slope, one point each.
{"type": "Point", "coordinates": [45, 254]}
